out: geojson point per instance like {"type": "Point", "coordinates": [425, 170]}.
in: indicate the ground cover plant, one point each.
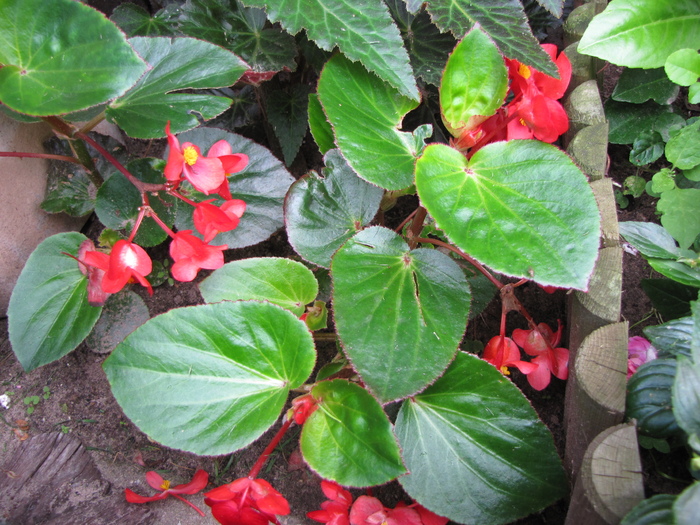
{"type": "Point", "coordinates": [457, 108]}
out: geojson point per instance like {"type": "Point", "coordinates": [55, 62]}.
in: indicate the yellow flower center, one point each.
{"type": "Point", "coordinates": [505, 371]}
{"type": "Point", "coordinates": [190, 154]}
{"type": "Point", "coordinates": [165, 485]}
{"type": "Point", "coordinates": [524, 71]}
{"type": "Point", "coordinates": [522, 121]}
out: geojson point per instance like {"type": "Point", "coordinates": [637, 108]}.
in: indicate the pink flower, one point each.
{"type": "Point", "coordinates": [246, 501]}
{"type": "Point", "coordinates": [639, 351]}
{"type": "Point", "coordinates": [502, 353]}
{"type": "Point", "coordinates": [191, 254]}
{"type": "Point", "coordinates": [369, 511]}
{"type": "Point", "coordinates": [548, 359]}
{"type": "Point", "coordinates": [199, 481]}
{"type": "Point", "coordinates": [126, 262]}
{"type": "Point", "coordinates": [210, 220]}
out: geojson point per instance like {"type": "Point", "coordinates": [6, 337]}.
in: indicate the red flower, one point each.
{"type": "Point", "coordinates": [369, 511]}
{"type": "Point", "coordinates": [336, 508]}
{"type": "Point", "coordinates": [126, 262]}
{"type": "Point", "coordinates": [303, 407]}
{"type": "Point", "coordinates": [206, 174]}
{"type": "Point", "coordinates": [191, 254]}
{"type": "Point", "coordinates": [246, 501]}
{"type": "Point", "coordinates": [199, 481]}
{"type": "Point", "coordinates": [548, 358]}
{"type": "Point", "coordinates": [210, 220]}
{"type": "Point", "coordinates": [96, 295]}
{"type": "Point", "coordinates": [502, 352]}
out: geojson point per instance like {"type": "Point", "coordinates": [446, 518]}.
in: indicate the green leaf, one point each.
{"type": "Point", "coordinates": [683, 149]}
{"type": "Point", "coordinates": [498, 208]}
{"type": "Point", "coordinates": [362, 33]}
{"type": "Point", "coordinates": [323, 211]}
{"type": "Point", "coordinates": [694, 93]}
{"type": "Point", "coordinates": [681, 214]}
{"type": "Point", "coordinates": [134, 20]}
{"type": "Point", "coordinates": [503, 20]}
{"type": "Point", "coordinates": [657, 510]}
{"type": "Point", "coordinates": [686, 396]}
{"type": "Point", "coordinates": [49, 314]}
{"type": "Point", "coordinates": [52, 64]}
{"type": "Point", "coordinates": [474, 83]}
{"type": "Point", "coordinates": [319, 125]}
{"type": "Point", "coordinates": [262, 185]}
{"type": "Point", "coordinates": [246, 32]}
{"type": "Point", "coordinates": [671, 299]}
{"type": "Point", "coordinates": [399, 313]}
{"type": "Point", "coordinates": [627, 120]}
{"type": "Point", "coordinates": [663, 180]}
{"type": "Point", "coordinates": [288, 116]}
{"type": "Point", "coordinates": [118, 202]}
{"type": "Point", "coordinates": [673, 338]}
{"type": "Point", "coordinates": [678, 271]}
{"type": "Point", "coordinates": [683, 67]}
{"type": "Point", "coordinates": [651, 239]}
{"type": "Point", "coordinates": [642, 33]}
{"type": "Point", "coordinates": [176, 64]}
{"type": "Point", "coordinates": [647, 147]}
{"type": "Point", "coordinates": [281, 281]}
{"type": "Point", "coordinates": [348, 439]}
{"type": "Point", "coordinates": [639, 85]}
{"type": "Point", "coordinates": [649, 398]}
{"type": "Point", "coordinates": [123, 313]}
{"type": "Point", "coordinates": [366, 115]}
{"type": "Point", "coordinates": [685, 508]}
{"type": "Point", "coordinates": [475, 448]}
{"type": "Point", "coordinates": [69, 192]}
{"type": "Point", "coordinates": [210, 379]}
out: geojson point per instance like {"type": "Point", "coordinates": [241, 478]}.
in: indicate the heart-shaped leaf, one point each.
{"type": "Point", "coordinates": [400, 313]}
{"type": "Point", "coordinates": [322, 212]}
{"type": "Point", "coordinates": [281, 281]}
{"type": "Point", "coordinates": [500, 208]}
{"type": "Point", "coordinates": [51, 64]}
{"type": "Point", "coordinates": [475, 449]}
{"type": "Point", "coordinates": [366, 115]}
{"type": "Point", "coordinates": [348, 439]}
{"type": "Point", "coordinates": [262, 185]}
{"type": "Point", "coordinates": [49, 314]}
{"type": "Point", "coordinates": [210, 379]}
{"type": "Point", "coordinates": [176, 64]}
{"type": "Point", "coordinates": [288, 116]}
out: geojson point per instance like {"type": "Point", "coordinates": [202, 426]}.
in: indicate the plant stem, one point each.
{"type": "Point", "coordinates": [22, 154]}
{"type": "Point", "coordinates": [416, 226]}
{"type": "Point", "coordinates": [269, 449]}
{"type": "Point", "coordinates": [80, 150]}
{"type": "Point", "coordinates": [195, 507]}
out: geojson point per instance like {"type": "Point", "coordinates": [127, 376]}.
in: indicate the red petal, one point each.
{"type": "Point", "coordinates": [206, 175]}
{"type": "Point", "coordinates": [428, 517]}
{"type": "Point", "coordinates": [403, 516]}
{"type": "Point", "coordinates": [363, 508]}
{"type": "Point", "coordinates": [173, 168]}
{"type": "Point", "coordinates": [218, 494]}
{"type": "Point", "coordinates": [233, 163]}
{"type": "Point", "coordinates": [234, 207]}
{"type": "Point", "coordinates": [155, 480]}
{"type": "Point", "coordinates": [199, 481]}
{"type": "Point", "coordinates": [540, 378]}
{"type": "Point", "coordinates": [273, 504]}
{"type": "Point", "coordinates": [561, 363]}
{"type": "Point", "coordinates": [132, 497]}
{"type": "Point", "coordinates": [219, 149]}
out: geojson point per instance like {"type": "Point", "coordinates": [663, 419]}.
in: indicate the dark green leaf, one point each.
{"type": "Point", "coordinates": [678, 271]}
{"type": "Point", "coordinates": [657, 510]}
{"type": "Point", "coordinates": [210, 379]}
{"type": "Point", "coordinates": [122, 314]}
{"type": "Point", "coordinates": [685, 508]}
{"type": "Point", "coordinates": [349, 438]}
{"type": "Point", "coordinates": [322, 212]}
{"type": "Point", "coordinates": [672, 338]}
{"type": "Point", "coordinates": [475, 449]}
{"type": "Point", "coordinates": [379, 283]}
{"type": "Point", "coordinates": [639, 85]}
{"type": "Point", "coordinates": [49, 314]}
{"type": "Point", "coordinates": [627, 120]}
{"type": "Point", "coordinates": [287, 113]}
{"type": "Point", "coordinates": [69, 192]}
{"type": "Point", "coordinates": [671, 299]}
{"type": "Point", "coordinates": [649, 398]}
{"type": "Point", "coordinates": [134, 20]}
{"type": "Point", "coordinates": [647, 147]}
{"type": "Point", "coordinates": [686, 396]}
{"type": "Point", "coordinates": [61, 56]}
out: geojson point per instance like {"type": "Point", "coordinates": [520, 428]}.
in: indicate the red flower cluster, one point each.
{"type": "Point", "coordinates": [339, 509]}
{"type": "Point", "coordinates": [542, 344]}
{"type": "Point", "coordinates": [533, 111]}
{"type": "Point", "coordinates": [246, 501]}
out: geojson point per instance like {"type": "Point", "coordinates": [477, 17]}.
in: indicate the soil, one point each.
{"type": "Point", "coordinates": [79, 402]}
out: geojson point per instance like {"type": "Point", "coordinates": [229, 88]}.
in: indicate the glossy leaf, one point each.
{"type": "Point", "coordinates": [49, 314]}
{"type": "Point", "coordinates": [122, 314]}
{"type": "Point", "coordinates": [647, 148]}
{"type": "Point", "coordinates": [655, 510]}
{"type": "Point", "coordinates": [474, 82]}
{"type": "Point", "coordinates": [651, 239]}
{"type": "Point", "coordinates": [262, 185]}
{"type": "Point", "coordinates": [44, 66]}
{"type": "Point", "coordinates": [118, 202]}
{"type": "Point", "coordinates": [319, 125]}
{"type": "Point", "coordinates": [366, 115]}
{"type": "Point", "coordinates": [683, 149]}
{"type": "Point", "coordinates": [686, 396]}
{"type": "Point", "coordinates": [649, 398]}
{"type": "Point", "coordinates": [678, 271]}
{"type": "Point", "coordinates": [639, 85]}
{"type": "Point", "coordinates": [134, 20]}
{"type": "Point", "coordinates": [288, 116]}
{"type": "Point", "coordinates": [642, 33]}
{"type": "Point", "coordinates": [669, 298]}
{"type": "Point", "coordinates": [683, 67]}
{"type": "Point", "coordinates": [681, 214]}
{"type": "Point", "coordinates": [498, 208]}
{"type": "Point", "coordinates": [364, 33]}
{"type": "Point", "coordinates": [281, 281]}
{"type": "Point", "coordinates": [503, 20]}
{"type": "Point", "coordinates": [673, 338]}
{"type": "Point", "coordinates": [685, 508]}
{"type": "Point", "coordinates": [627, 120]}
{"type": "Point", "coordinates": [212, 378]}
{"type": "Point", "coordinates": [323, 211]}
{"type": "Point", "coordinates": [475, 449]}
{"type": "Point", "coordinates": [176, 64]}
{"type": "Point", "coordinates": [348, 439]}
{"type": "Point", "coordinates": [399, 313]}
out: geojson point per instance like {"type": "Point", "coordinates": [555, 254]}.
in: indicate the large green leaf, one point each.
{"type": "Point", "coordinates": [683, 67]}
{"type": "Point", "coordinates": [364, 33]}
{"type": "Point", "coordinates": [262, 185]}
{"type": "Point", "coordinates": [400, 313]}
{"type": "Point", "coordinates": [686, 396]}
{"type": "Point", "coordinates": [520, 207]}
{"type": "Point", "coordinates": [683, 148]}
{"type": "Point", "coordinates": [503, 20]}
{"type": "Point", "coordinates": [210, 379]}
{"type": "Point", "coordinates": [685, 508]}
{"type": "Point", "coordinates": [628, 120]}
{"type": "Point", "coordinates": [651, 239]}
{"type": "Point", "coordinates": [475, 449]}
{"type": "Point", "coordinates": [366, 115]}
{"type": "Point", "coordinates": [673, 338]}
{"type": "Point", "coordinates": [649, 398]}
{"type": "Point", "coordinates": [176, 64]}
{"type": "Point", "coordinates": [474, 82]}
{"type": "Point", "coordinates": [681, 214]}
{"type": "Point", "coordinates": [49, 314]}
{"type": "Point", "coordinates": [656, 510]}
{"type": "Point", "coordinates": [639, 85]}
{"type": "Point", "coordinates": [61, 56]}
{"type": "Point", "coordinates": [678, 271]}
{"type": "Point", "coordinates": [642, 33]}
{"type": "Point", "coordinates": [322, 212]}
{"type": "Point", "coordinates": [281, 281]}
{"type": "Point", "coordinates": [348, 439]}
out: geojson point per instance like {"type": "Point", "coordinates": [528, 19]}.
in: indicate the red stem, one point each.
{"type": "Point", "coordinates": [269, 449]}
{"type": "Point", "coordinates": [22, 154]}
{"type": "Point", "coordinates": [195, 507]}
